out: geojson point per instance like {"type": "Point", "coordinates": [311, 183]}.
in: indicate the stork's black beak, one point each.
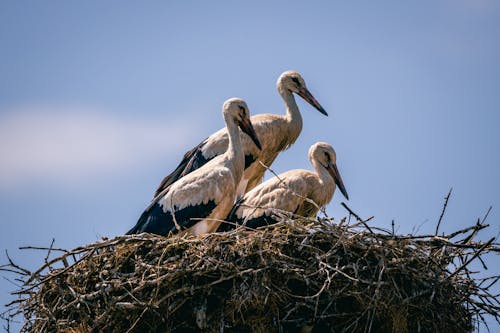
{"type": "Point", "coordinates": [334, 172]}
{"type": "Point", "coordinates": [309, 98]}
{"type": "Point", "coordinates": [246, 126]}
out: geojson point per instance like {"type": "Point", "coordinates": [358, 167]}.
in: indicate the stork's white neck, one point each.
{"type": "Point", "coordinates": [324, 176]}
{"type": "Point", "coordinates": [233, 133]}
{"type": "Point", "coordinates": [234, 151]}
{"type": "Point", "coordinates": [293, 115]}
{"type": "Point", "coordinates": [323, 191]}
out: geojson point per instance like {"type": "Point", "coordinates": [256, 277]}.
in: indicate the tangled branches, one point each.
{"type": "Point", "coordinates": [298, 275]}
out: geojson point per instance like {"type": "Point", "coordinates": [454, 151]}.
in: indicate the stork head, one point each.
{"type": "Point", "coordinates": [293, 82]}
{"type": "Point", "coordinates": [323, 154]}
{"type": "Point", "coordinates": [237, 110]}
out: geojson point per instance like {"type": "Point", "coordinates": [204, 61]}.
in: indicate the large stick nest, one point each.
{"type": "Point", "coordinates": [291, 277]}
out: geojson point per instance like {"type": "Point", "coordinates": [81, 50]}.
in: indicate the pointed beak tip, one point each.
{"type": "Point", "coordinates": [323, 111]}
{"type": "Point", "coordinates": [247, 127]}
{"type": "Point", "coordinates": [309, 98]}
{"type": "Point", "coordinates": [255, 140]}
{"type": "Point", "coordinates": [257, 143]}
{"type": "Point", "coordinates": [334, 172]}
{"type": "Point", "coordinates": [343, 190]}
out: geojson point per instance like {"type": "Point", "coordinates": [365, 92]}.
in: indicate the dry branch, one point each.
{"type": "Point", "coordinates": [293, 276]}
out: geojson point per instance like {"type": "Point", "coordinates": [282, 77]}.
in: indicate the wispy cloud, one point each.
{"type": "Point", "coordinates": [41, 144]}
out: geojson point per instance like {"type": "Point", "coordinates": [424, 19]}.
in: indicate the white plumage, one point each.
{"type": "Point", "coordinates": [197, 202]}
{"type": "Point", "coordinates": [301, 192]}
{"type": "Point", "coordinates": [275, 132]}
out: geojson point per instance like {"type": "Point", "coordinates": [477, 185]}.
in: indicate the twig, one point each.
{"type": "Point", "coordinates": [12, 264]}
{"type": "Point", "coordinates": [357, 217]}
{"type": "Point", "coordinates": [442, 211]}
{"type": "Point", "coordinates": [291, 272]}
{"type": "Point", "coordinates": [477, 253]}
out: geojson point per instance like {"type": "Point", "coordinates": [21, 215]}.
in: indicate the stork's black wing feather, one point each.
{"type": "Point", "coordinates": [260, 221]}
{"type": "Point", "coordinates": [233, 221]}
{"type": "Point", "coordinates": [191, 161]}
{"type": "Point", "coordinates": [155, 220]}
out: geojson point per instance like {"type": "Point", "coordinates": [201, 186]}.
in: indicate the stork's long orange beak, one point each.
{"type": "Point", "coordinates": [309, 98]}
{"type": "Point", "coordinates": [247, 127]}
{"type": "Point", "coordinates": [334, 172]}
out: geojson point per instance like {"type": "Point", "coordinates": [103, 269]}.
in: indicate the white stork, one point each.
{"type": "Point", "coordinates": [275, 132]}
{"type": "Point", "coordinates": [196, 203]}
{"type": "Point", "coordinates": [301, 192]}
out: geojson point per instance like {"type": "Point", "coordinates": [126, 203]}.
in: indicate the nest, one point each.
{"type": "Point", "coordinates": [295, 276]}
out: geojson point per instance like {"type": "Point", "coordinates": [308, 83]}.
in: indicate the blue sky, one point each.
{"type": "Point", "coordinates": [99, 100]}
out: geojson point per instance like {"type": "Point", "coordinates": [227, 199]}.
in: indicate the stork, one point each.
{"type": "Point", "coordinates": [301, 192]}
{"type": "Point", "coordinates": [199, 201]}
{"type": "Point", "coordinates": [275, 132]}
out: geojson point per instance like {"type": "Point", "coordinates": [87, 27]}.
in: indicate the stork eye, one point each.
{"type": "Point", "coordinates": [296, 80]}
{"type": "Point", "coordinates": [327, 157]}
{"type": "Point", "coordinates": [241, 108]}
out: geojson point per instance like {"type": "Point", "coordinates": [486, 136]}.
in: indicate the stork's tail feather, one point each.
{"type": "Point", "coordinates": [144, 219]}
{"type": "Point", "coordinates": [139, 225]}
{"type": "Point", "coordinates": [132, 231]}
